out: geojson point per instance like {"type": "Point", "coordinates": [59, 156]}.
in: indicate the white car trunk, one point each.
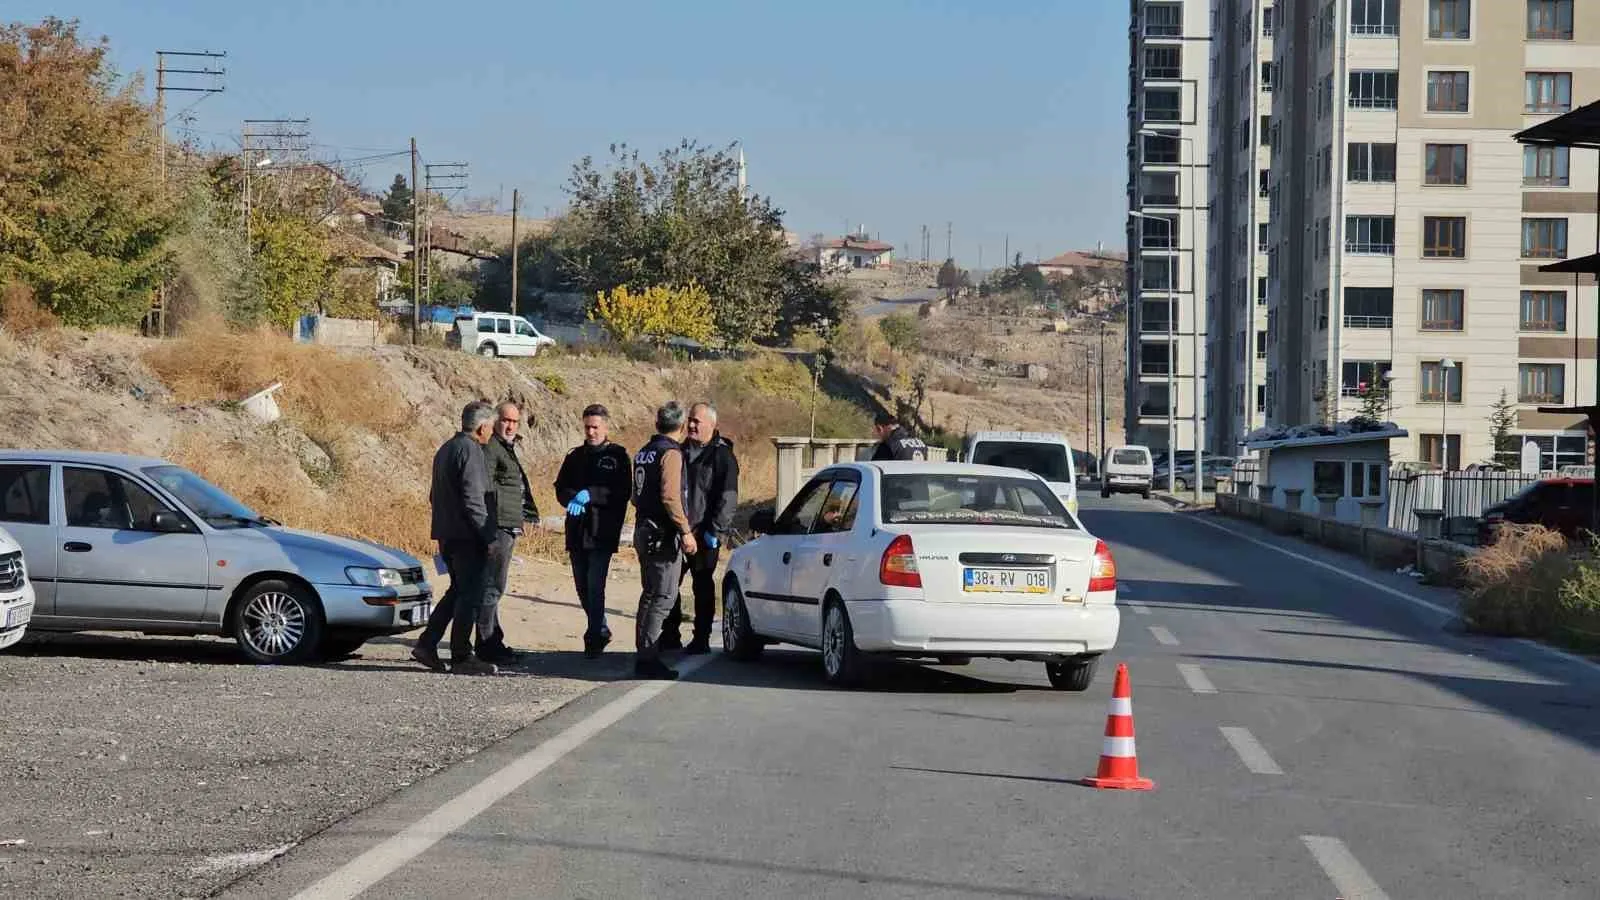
{"type": "Point", "coordinates": [998, 564]}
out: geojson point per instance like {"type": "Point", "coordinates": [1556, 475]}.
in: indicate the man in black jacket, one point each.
{"type": "Point", "coordinates": [895, 442]}
{"type": "Point", "coordinates": [713, 487]}
{"type": "Point", "coordinates": [464, 525]}
{"type": "Point", "coordinates": [514, 507]}
{"type": "Point", "coordinates": [594, 483]}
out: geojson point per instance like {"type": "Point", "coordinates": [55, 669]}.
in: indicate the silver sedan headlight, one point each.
{"type": "Point", "coordinates": [374, 578]}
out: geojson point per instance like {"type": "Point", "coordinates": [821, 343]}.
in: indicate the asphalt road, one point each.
{"type": "Point", "coordinates": [1312, 735]}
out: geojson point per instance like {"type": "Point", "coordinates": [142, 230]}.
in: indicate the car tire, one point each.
{"type": "Point", "coordinates": [842, 664]}
{"type": "Point", "coordinates": [488, 351]}
{"type": "Point", "coordinates": [1105, 493]}
{"type": "Point", "coordinates": [1181, 485]}
{"type": "Point", "coordinates": [739, 640]}
{"type": "Point", "coordinates": [1072, 675]}
{"type": "Point", "coordinates": [342, 647]}
{"type": "Point", "coordinates": [277, 622]}
{"type": "Point", "coordinates": [1145, 493]}
{"type": "Point", "coordinates": [955, 660]}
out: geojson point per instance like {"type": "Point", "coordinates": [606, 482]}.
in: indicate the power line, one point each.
{"type": "Point", "coordinates": [203, 81]}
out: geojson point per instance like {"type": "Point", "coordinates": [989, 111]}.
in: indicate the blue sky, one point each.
{"type": "Point", "coordinates": [999, 117]}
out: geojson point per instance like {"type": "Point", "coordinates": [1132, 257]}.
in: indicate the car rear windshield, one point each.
{"type": "Point", "coordinates": [203, 498]}
{"type": "Point", "coordinates": [1129, 457]}
{"type": "Point", "coordinates": [928, 499]}
{"type": "Point", "coordinates": [1048, 461]}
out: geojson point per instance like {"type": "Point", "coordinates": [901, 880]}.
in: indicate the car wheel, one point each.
{"type": "Point", "coordinates": [955, 660]}
{"type": "Point", "coordinates": [739, 640]}
{"type": "Point", "coordinates": [342, 647]}
{"type": "Point", "coordinates": [1182, 485]}
{"type": "Point", "coordinates": [842, 663]}
{"type": "Point", "coordinates": [489, 351]}
{"type": "Point", "coordinates": [1073, 675]}
{"type": "Point", "coordinates": [1145, 493]}
{"type": "Point", "coordinates": [278, 622]}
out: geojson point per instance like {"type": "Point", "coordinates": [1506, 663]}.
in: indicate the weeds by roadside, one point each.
{"type": "Point", "coordinates": [1532, 583]}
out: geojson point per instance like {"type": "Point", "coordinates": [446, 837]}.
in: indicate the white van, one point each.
{"type": "Point", "coordinates": [1128, 469]}
{"type": "Point", "coordinates": [1047, 455]}
{"type": "Point", "coordinates": [16, 593]}
{"type": "Point", "coordinates": [498, 334]}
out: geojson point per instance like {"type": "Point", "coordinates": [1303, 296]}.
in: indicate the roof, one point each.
{"type": "Point", "coordinates": [1079, 259]}
{"type": "Point", "coordinates": [1325, 440]}
{"type": "Point", "coordinates": [347, 246]}
{"type": "Point", "coordinates": [446, 241]}
{"type": "Point", "coordinates": [1033, 437]}
{"type": "Point", "coordinates": [1579, 128]}
{"type": "Point", "coordinates": [1581, 265]}
{"type": "Point", "coordinates": [86, 457]}
{"type": "Point", "coordinates": [853, 243]}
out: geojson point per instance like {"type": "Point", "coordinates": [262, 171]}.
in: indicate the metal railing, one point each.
{"type": "Point", "coordinates": [1368, 321]}
{"type": "Point", "coordinates": [1370, 248]}
{"type": "Point", "coordinates": [1461, 496]}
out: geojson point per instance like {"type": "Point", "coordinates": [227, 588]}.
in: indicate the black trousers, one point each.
{"type": "Point", "coordinates": [702, 571]}
{"type": "Point", "coordinates": [467, 564]}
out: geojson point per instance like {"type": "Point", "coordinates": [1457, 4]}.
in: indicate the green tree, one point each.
{"type": "Point", "coordinates": [654, 314]}
{"type": "Point", "coordinates": [1374, 397]}
{"type": "Point", "coordinates": [82, 220]}
{"type": "Point", "coordinates": [811, 303]}
{"type": "Point", "coordinates": [397, 202]}
{"type": "Point", "coordinates": [1502, 419]}
{"type": "Point", "coordinates": [290, 269]}
{"type": "Point", "coordinates": [949, 276]}
{"type": "Point", "coordinates": [901, 332]}
{"type": "Point", "coordinates": [680, 219]}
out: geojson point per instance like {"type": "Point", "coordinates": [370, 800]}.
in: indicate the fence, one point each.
{"type": "Point", "coordinates": [1461, 496]}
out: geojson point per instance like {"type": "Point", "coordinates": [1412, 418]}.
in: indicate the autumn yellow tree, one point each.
{"type": "Point", "coordinates": [654, 314]}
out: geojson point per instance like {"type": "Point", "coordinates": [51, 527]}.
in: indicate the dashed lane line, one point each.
{"type": "Point", "coordinates": [1251, 753]}
{"type": "Point", "coordinates": [1342, 868]}
{"type": "Point", "coordinates": [1196, 679]}
{"type": "Point", "coordinates": [1163, 636]}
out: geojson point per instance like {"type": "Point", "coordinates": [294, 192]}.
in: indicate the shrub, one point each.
{"type": "Point", "coordinates": [901, 331]}
{"type": "Point", "coordinates": [1514, 586]}
{"type": "Point", "coordinates": [21, 314]}
{"type": "Point", "coordinates": [1580, 598]}
{"type": "Point", "coordinates": [553, 381]}
{"type": "Point", "coordinates": [654, 314]}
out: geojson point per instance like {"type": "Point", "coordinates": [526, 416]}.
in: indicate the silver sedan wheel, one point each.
{"type": "Point", "coordinates": [833, 638]}
{"type": "Point", "coordinates": [274, 623]}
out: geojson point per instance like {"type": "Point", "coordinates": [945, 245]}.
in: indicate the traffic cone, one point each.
{"type": "Point", "coordinates": [1119, 762]}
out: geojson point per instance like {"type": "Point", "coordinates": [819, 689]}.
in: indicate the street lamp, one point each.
{"type": "Point", "coordinates": [1446, 365]}
{"type": "Point", "coordinates": [1194, 295]}
{"type": "Point", "coordinates": [1172, 300]}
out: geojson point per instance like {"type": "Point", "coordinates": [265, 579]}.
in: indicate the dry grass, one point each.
{"type": "Point", "coordinates": [21, 315]}
{"type": "Point", "coordinates": [1513, 586]}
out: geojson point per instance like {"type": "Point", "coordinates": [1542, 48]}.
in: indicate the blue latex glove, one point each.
{"type": "Point", "coordinates": [710, 540]}
{"type": "Point", "coordinates": [575, 508]}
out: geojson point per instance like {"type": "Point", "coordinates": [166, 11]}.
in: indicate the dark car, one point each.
{"type": "Point", "coordinates": [1562, 504]}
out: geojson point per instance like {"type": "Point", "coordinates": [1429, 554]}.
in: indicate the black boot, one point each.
{"type": "Point", "coordinates": [700, 646]}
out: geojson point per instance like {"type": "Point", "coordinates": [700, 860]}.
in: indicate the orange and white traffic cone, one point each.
{"type": "Point", "coordinates": [1119, 762]}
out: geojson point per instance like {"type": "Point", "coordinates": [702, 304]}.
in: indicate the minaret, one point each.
{"type": "Point", "coordinates": [742, 179]}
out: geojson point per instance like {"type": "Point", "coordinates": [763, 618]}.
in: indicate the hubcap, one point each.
{"type": "Point", "coordinates": [833, 642]}
{"type": "Point", "coordinates": [274, 623]}
{"type": "Point", "coordinates": [732, 619]}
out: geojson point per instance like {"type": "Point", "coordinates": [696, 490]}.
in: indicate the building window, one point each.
{"type": "Point", "coordinates": [1444, 237]}
{"type": "Point", "coordinates": [1541, 383]}
{"type": "Point", "coordinates": [1261, 291]}
{"type": "Point", "coordinates": [1327, 479]}
{"type": "Point", "coordinates": [1550, 20]}
{"type": "Point", "coordinates": [1380, 17]}
{"type": "Point", "coordinates": [1366, 479]}
{"type": "Point", "coordinates": [1372, 235]}
{"type": "Point", "coordinates": [1325, 98]}
{"type": "Point", "coordinates": [1261, 398]}
{"type": "Point", "coordinates": [1162, 149]}
{"type": "Point", "coordinates": [1155, 358]}
{"type": "Point", "coordinates": [1163, 20]}
{"type": "Point", "coordinates": [1153, 400]}
{"type": "Point", "coordinates": [1558, 450]}
{"type": "Point", "coordinates": [1445, 164]}
{"type": "Point", "coordinates": [1358, 376]}
{"type": "Point", "coordinates": [1262, 237]}
{"type": "Point", "coordinates": [1376, 90]}
{"type": "Point", "coordinates": [1163, 61]}
{"type": "Point", "coordinates": [1370, 162]}
{"type": "Point", "coordinates": [1437, 390]}
{"type": "Point", "coordinates": [1264, 183]}
{"type": "Point", "coordinates": [1544, 311]}
{"type": "Point", "coordinates": [1447, 91]}
{"type": "Point", "coordinates": [1163, 105]}
{"type": "Point", "coordinates": [1159, 188]}
{"type": "Point", "coordinates": [1267, 70]}
{"type": "Point", "coordinates": [1268, 14]}
{"type": "Point", "coordinates": [1431, 444]}
{"type": "Point", "coordinates": [1544, 238]}
{"type": "Point", "coordinates": [1443, 310]}
{"type": "Point", "coordinates": [1450, 20]}
{"type": "Point", "coordinates": [1368, 307]}
{"type": "Point", "coordinates": [1158, 232]}
{"type": "Point", "coordinates": [1158, 316]}
{"type": "Point", "coordinates": [1546, 166]}
{"type": "Point", "coordinates": [1261, 345]}
{"type": "Point", "coordinates": [1547, 92]}
{"type": "Point", "coordinates": [1266, 131]}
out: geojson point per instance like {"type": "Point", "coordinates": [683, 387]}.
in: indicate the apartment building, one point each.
{"type": "Point", "coordinates": [1168, 129]}
{"type": "Point", "coordinates": [1242, 86]}
{"type": "Point", "coordinates": [1407, 227]}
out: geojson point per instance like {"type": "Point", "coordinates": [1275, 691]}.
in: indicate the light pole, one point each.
{"type": "Point", "coordinates": [1172, 300]}
{"type": "Point", "coordinates": [1446, 366]}
{"type": "Point", "coordinates": [1194, 298]}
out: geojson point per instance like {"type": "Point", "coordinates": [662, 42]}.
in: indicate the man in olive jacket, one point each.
{"type": "Point", "coordinates": [463, 524]}
{"type": "Point", "coordinates": [514, 507]}
{"type": "Point", "coordinates": [594, 483]}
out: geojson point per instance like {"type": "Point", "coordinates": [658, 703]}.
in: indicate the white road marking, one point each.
{"type": "Point", "coordinates": [231, 861]}
{"type": "Point", "coordinates": [371, 867]}
{"type": "Point", "coordinates": [1163, 636]}
{"type": "Point", "coordinates": [1254, 756]}
{"type": "Point", "coordinates": [1573, 658]}
{"type": "Point", "coordinates": [1139, 608]}
{"type": "Point", "coordinates": [1196, 679]}
{"type": "Point", "coordinates": [1347, 875]}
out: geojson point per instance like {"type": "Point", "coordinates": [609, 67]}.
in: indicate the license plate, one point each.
{"type": "Point", "coordinates": [422, 613]}
{"type": "Point", "coordinates": [1006, 581]}
{"type": "Point", "coordinates": [19, 615]}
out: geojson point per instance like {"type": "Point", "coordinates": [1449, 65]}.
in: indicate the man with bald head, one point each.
{"type": "Point", "coordinates": [713, 495]}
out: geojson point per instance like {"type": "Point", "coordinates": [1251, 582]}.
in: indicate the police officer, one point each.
{"type": "Point", "coordinates": [661, 536]}
{"type": "Point", "coordinates": [713, 496]}
{"type": "Point", "coordinates": [895, 442]}
{"type": "Point", "coordinates": [594, 484]}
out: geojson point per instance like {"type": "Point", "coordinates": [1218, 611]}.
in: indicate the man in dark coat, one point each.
{"type": "Point", "coordinates": [464, 525]}
{"type": "Point", "coordinates": [662, 536]}
{"type": "Point", "coordinates": [594, 483]}
{"type": "Point", "coordinates": [713, 484]}
{"type": "Point", "coordinates": [895, 442]}
{"type": "Point", "coordinates": [514, 508]}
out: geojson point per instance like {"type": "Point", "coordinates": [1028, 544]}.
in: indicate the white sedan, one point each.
{"type": "Point", "coordinates": [936, 561]}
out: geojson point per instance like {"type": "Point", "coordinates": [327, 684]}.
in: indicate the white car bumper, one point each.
{"type": "Point", "coordinates": [16, 609]}
{"type": "Point", "coordinates": [984, 629]}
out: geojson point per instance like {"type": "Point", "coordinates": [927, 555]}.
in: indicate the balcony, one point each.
{"type": "Point", "coordinates": [1154, 367]}
{"type": "Point", "coordinates": [1368, 248]}
{"type": "Point", "coordinates": [1375, 322]}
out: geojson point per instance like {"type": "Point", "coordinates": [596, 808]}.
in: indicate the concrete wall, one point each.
{"type": "Point", "coordinates": [331, 332]}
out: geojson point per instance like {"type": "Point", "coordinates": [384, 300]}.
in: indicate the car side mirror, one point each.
{"type": "Point", "coordinates": [763, 521]}
{"type": "Point", "coordinates": [168, 522]}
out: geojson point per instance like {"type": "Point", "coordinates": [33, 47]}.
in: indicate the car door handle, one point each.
{"type": "Point", "coordinates": [827, 559]}
{"type": "Point", "coordinates": [786, 559]}
{"type": "Point", "coordinates": [77, 547]}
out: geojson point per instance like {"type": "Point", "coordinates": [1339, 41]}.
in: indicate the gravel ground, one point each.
{"type": "Point", "coordinates": [159, 767]}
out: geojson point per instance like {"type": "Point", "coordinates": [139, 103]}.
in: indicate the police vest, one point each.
{"type": "Point", "coordinates": [647, 480]}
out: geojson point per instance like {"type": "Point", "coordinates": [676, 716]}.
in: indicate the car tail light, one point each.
{"type": "Point", "coordinates": [899, 565]}
{"type": "Point", "coordinates": [1103, 574]}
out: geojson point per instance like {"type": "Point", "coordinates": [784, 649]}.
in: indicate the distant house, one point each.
{"type": "Point", "coordinates": [357, 256]}
{"type": "Point", "coordinates": [855, 251]}
{"type": "Point", "coordinates": [1088, 262]}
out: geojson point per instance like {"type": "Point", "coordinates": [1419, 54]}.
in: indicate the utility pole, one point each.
{"type": "Point", "coordinates": [516, 198]}
{"type": "Point", "coordinates": [416, 248]}
{"type": "Point", "coordinates": [158, 310]}
{"type": "Point", "coordinates": [450, 177]}
{"type": "Point", "coordinates": [278, 140]}
{"type": "Point", "coordinates": [1006, 260]}
{"type": "Point", "coordinates": [1102, 397]}
{"type": "Point", "coordinates": [949, 230]}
